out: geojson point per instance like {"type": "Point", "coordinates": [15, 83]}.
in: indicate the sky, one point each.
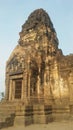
{"type": "Point", "coordinates": [14, 13]}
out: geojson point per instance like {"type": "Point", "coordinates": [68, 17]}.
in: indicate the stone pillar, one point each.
{"type": "Point", "coordinates": [71, 88]}
{"type": "Point", "coordinates": [56, 77]}
{"type": "Point", "coordinates": [29, 86]}
{"type": "Point", "coordinates": [10, 90]}
{"type": "Point", "coordinates": [46, 76]}
{"type": "Point", "coordinates": [47, 81]}
{"type": "Point", "coordinates": [38, 85]}
{"type": "Point", "coordinates": [7, 87]}
{"type": "Point", "coordinates": [22, 93]}
{"type": "Point", "coordinates": [13, 90]}
{"type": "Point", "coordinates": [28, 77]}
{"type": "Point", "coordinates": [25, 86]}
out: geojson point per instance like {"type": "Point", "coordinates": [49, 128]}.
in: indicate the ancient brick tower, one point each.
{"type": "Point", "coordinates": [37, 72]}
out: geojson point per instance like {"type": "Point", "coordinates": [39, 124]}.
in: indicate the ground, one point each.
{"type": "Point", "coordinates": [50, 126]}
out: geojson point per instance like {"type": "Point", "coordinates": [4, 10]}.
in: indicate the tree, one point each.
{"type": "Point", "coordinates": [1, 96]}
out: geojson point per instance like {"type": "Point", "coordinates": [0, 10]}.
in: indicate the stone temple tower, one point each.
{"type": "Point", "coordinates": [37, 72]}
{"type": "Point", "coordinates": [36, 66]}
{"type": "Point", "coordinates": [32, 69]}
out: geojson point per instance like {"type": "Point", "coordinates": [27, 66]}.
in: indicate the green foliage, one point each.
{"type": "Point", "coordinates": [1, 96]}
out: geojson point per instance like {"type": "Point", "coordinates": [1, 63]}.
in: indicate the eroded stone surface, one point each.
{"type": "Point", "coordinates": [39, 59]}
{"type": "Point", "coordinates": [37, 72]}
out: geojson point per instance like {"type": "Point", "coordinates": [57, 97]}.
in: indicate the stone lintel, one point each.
{"type": "Point", "coordinates": [16, 73]}
{"type": "Point", "coordinates": [16, 76]}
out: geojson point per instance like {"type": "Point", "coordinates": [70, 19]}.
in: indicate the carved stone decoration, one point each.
{"type": "Point", "coordinates": [37, 72]}
{"type": "Point", "coordinates": [37, 55]}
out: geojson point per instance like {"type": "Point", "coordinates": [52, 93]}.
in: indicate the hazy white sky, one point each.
{"type": "Point", "coordinates": [13, 14]}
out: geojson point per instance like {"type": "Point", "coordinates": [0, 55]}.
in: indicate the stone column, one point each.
{"type": "Point", "coordinates": [10, 90]}
{"type": "Point", "coordinates": [38, 85]}
{"type": "Point", "coordinates": [44, 80]}
{"type": "Point", "coordinates": [25, 86]}
{"type": "Point", "coordinates": [22, 92]}
{"type": "Point", "coordinates": [7, 87]}
{"type": "Point", "coordinates": [29, 86]}
{"type": "Point", "coordinates": [71, 88]}
{"type": "Point", "coordinates": [13, 90]}
{"type": "Point", "coordinates": [47, 81]}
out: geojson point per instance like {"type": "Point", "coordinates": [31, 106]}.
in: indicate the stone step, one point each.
{"type": "Point", "coordinates": [6, 112]}
{"type": "Point", "coordinates": [6, 120]}
{"type": "Point", "coordinates": [7, 109]}
{"type": "Point", "coordinates": [6, 123]}
{"type": "Point", "coordinates": [3, 114]}
{"type": "Point", "coordinates": [3, 108]}
{"type": "Point", "coordinates": [7, 104]}
{"type": "Point", "coordinates": [2, 119]}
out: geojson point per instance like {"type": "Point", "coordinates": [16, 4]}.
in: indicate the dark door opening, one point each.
{"type": "Point", "coordinates": [18, 88]}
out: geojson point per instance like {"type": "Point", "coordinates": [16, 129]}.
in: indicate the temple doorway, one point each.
{"type": "Point", "coordinates": [18, 88]}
